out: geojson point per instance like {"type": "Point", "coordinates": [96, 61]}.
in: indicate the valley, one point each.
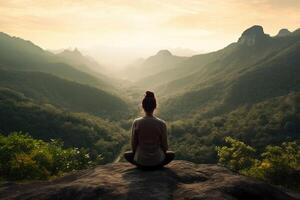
{"type": "Point", "coordinates": [249, 90]}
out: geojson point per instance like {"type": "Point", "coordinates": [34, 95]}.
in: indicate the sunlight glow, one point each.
{"type": "Point", "coordinates": [142, 27]}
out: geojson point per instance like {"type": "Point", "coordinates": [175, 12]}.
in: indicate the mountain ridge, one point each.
{"type": "Point", "coordinates": [256, 47]}
{"type": "Point", "coordinates": [19, 54]}
{"type": "Point", "coordinates": [162, 60]}
{"type": "Point", "coordinates": [224, 68]}
{"type": "Point", "coordinates": [67, 94]}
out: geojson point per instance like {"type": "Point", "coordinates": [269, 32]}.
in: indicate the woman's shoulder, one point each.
{"type": "Point", "coordinates": [160, 120]}
{"type": "Point", "coordinates": [137, 119]}
{"type": "Point", "coordinates": [149, 118]}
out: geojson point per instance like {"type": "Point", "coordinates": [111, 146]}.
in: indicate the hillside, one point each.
{"type": "Point", "coordinates": [180, 180]}
{"type": "Point", "coordinates": [270, 122]}
{"type": "Point", "coordinates": [236, 56]}
{"type": "Point", "coordinates": [66, 94]}
{"type": "Point", "coordinates": [163, 60]}
{"type": "Point", "coordinates": [19, 54]}
{"type": "Point", "coordinates": [86, 64]}
{"type": "Point", "coordinates": [237, 75]}
{"type": "Point", "coordinates": [178, 70]}
{"type": "Point", "coordinates": [80, 61]}
{"type": "Point", "coordinates": [46, 122]}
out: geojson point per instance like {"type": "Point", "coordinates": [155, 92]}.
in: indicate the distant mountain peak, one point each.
{"type": "Point", "coordinates": [283, 32]}
{"type": "Point", "coordinates": [74, 52]}
{"type": "Point", "coordinates": [164, 53]}
{"type": "Point", "coordinates": [254, 30]}
{"type": "Point", "coordinates": [253, 35]}
{"type": "Point", "coordinates": [296, 32]}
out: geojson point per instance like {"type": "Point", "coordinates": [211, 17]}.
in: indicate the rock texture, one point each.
{"type": "Point", "coordinates": [120, 181]}
{"type": "Point", "coordinates": [164, 53]}
{"type": "Point", "coordinates": [253, 35]}
{"type": "Point", "coordinates": [283, 32]}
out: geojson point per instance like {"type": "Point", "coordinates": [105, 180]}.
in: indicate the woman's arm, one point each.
{"type": "Point", "coordinates": [164, 138]}
{"type": "Point", "coordinates": [134, 138]}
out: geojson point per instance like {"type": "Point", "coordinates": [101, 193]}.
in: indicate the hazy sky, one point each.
{"type": "Point", "coordinates": [141, 27]}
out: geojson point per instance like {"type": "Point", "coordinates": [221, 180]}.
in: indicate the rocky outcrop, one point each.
{"type": "Point", "coordinates": [121, 181]}
{"type": "Point", "coordinates": [164, 53]}
{"type": "Point", "coordinates": [283, 32]}
{"type": "Point", "coordinates": [253, 35]}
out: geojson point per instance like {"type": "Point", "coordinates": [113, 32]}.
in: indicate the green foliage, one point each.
{"type": "Point", "coordinates": [237, 156]}
{"type": "Point", "coordinates": [25, 158]}
{"type": "Point", "coordinates": [66, 94]}
{"type": "Point", "coordinates": [271, 122]}
{"type": "Point", "coordinates": [46, 122]}
{"type": "Point", "coordinates": [281, 164]}
{"type": "Point", "coordinates": [221, 81]}
{"type": "Point", "coordinates": [278, 165]}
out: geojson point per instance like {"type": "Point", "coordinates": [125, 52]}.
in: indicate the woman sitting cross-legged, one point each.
{"type": "Point", "coordinates": [149, 139]}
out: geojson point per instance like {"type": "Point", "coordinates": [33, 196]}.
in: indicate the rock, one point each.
{"type": "Point", "coordinates": [253, 36]}
{"type": "Point", "coordinates": [283, 32]}
{"type": "Point", "coordinates": [296, 32]}
{"type": "Point", "coordinates": [164, 53]}
{"type": "Point", "coordinates": [121, 181]}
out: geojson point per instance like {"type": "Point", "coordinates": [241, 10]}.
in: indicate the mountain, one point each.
{"type": "Point", "coordinates": [283, 32]}
{"type": "Point", "coordinates": [163, 60]}
{"type": "Point", "coordinates": [249, 91]}
{"type": "Point", "coordinates": [236, 55]}
{"type": "Point", "coordinates": [81, 62]}
{"type": "Point", "coordinates": [66, 94]}
{"type": "Point", "coordinates": [45, 121]}
{"type": "Point", "coordinates": [269, 122]}
{"type": "Point", "coordinates": [253, 36]}
{"type": "Point", "coordinates": [19, 54]}
{"type": "Point", "coordinates": [232, 55]}
{"type": "Point", "coordinates": [179, 180]}
{"type": "Point", "coordinates": [179, 70]}
{"type": "Point", "coordinates": [215, 80]}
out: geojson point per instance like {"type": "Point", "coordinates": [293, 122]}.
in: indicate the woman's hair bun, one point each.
{"type": "Point", "coordinates": [149, 102]}
{"type": "Point", "coordinates": [149, 94]}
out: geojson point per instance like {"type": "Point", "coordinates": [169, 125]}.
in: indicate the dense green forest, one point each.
{"type": "Point", "coordinates": [25, 158]}
{"type": "Point", "coordinates": [66, 94]}
{"type": "Point", "coordinates": [239, 74]}
{"type": "Point", "coordinates": [271, 122]}
{"type": "Point", "coordinates": [46, 122]}
{"type": "Point", "coordinates": [277, 164]}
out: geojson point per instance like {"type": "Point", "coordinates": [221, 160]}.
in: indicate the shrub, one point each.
{"type": "Point", "coordinates": [237, 156]}
{"type": "Point", "coordinates": [25, 158]}
{"type": "Point", "coordinates": [279, 165]}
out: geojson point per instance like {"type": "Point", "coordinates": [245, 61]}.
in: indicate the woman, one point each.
{"type": "Point", "coordinates": [149, 138]}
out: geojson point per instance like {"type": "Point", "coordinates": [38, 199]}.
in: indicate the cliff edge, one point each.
{"type": "Point", "coordinates": [120, 181]}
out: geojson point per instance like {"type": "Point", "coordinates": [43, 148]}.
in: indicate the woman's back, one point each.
{"type": "Point", "coordinates": [149, 138]}
{"type": "Point", "coordinates": [150, 130]}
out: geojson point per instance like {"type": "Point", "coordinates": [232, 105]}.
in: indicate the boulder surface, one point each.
{"type": "Point", "coordinates": [122, 181]}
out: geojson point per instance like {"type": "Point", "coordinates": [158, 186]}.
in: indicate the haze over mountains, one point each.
{"type": "Point", "coordinates": [163, 60]}
{"type": "Point", "coordinates": [249, 90]}
{"type": "Point", "coordinates": [254, 68]}
{"type": "Point", "coordinates": [53, 96]}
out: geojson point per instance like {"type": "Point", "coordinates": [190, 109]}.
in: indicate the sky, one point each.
{"type": "Point", "coordinates": [119, 31]}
